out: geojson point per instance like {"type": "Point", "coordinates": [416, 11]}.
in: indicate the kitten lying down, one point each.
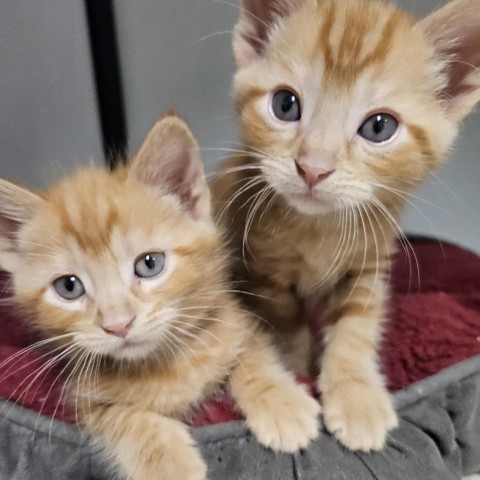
{"type": "Point", "coordinates": [126, 274]}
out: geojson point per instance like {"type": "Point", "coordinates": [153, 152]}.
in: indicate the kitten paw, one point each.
{"type": "Point", "coordinates": [185, 463]}
{"type": "Point", "coordinates": [180, 461]}
{"type": "Point", "coordinates": [286, 419]}
{"type": "Point", "coordinates": [189, 465]}
{"type": "Point", "coordinates": [360, 416]}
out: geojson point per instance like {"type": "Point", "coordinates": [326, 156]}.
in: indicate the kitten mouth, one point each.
{"type": "Point", "coordinates": [132, 344]}
{"type": "Point", "coordinates": [128, 348]}
{"type": "Point", "coordinates": [310, 202]}
{"type": "Point", "coordinates": [312, 197]}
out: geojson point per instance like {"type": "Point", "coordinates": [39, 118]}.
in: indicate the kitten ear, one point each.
{"type": "Point", "coordinates": [169, 159]}
{"type": "Point", "coordinates": [256, 20]}
{"type": "Point", "coordinates": [17, 207]}
{"type": "Point", "coordinates": [454, 31]}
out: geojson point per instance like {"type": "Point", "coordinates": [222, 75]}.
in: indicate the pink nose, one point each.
{"type": "Point", "coordinates": [312, 175]}
{"type": "Point", "coordinates": [118, 329]}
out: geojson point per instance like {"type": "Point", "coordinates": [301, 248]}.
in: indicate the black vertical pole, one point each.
{"type": "Point", "coordinates": [104, 50]}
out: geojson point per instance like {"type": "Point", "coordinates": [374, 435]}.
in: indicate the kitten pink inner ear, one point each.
{"type": "Point", "coordinates": [256, 20]}
{"type": "Point", "coordinates": [170, 159]}
{"type": "Point", "coordinates": [17, 207]}
{"type": "Point", "coordinates": [454, 31]}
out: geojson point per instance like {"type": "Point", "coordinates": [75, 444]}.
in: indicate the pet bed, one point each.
{"type": "Point", "coordinates": [430, 355]}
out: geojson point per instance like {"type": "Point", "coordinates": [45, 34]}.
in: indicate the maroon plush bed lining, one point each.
{"type": "Point", "coordinates": [434, 323]}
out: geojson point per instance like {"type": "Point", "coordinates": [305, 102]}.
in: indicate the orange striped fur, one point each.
{"type": "Point", "coordinates": [141, 352]}
{"type": "Point", "coordinates": [326, 248]}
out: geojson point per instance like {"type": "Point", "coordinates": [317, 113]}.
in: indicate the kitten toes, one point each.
{"type": "Point", "coordinates": [188, 465]}
{"type": "Point", "coordinates": [286, 419]}
{"type": "Point", "coordinates": [181, 462]}
{"type": "Point", "coordinates": [176, 457]}
{"type": "Point", "coordinates": [360, 416]}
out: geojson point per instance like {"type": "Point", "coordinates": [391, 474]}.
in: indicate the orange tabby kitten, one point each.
{"type": "Point", "coordinates": [127, 273]}
{"type": "Point", "coordinates": [344, 107]}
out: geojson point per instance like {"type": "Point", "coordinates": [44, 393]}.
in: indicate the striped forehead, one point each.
{"type": "Point", "coordinates": [87, 213]}
{"type": "Point", "coordinates": [347, 37]}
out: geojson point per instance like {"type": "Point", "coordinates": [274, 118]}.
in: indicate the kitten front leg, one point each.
{"type": "Point", "coordinates": [280, 412]}
{"type": "Point", "coordinates": [357, 407]}
{"type": "Point", "coordinates": [145, 445]}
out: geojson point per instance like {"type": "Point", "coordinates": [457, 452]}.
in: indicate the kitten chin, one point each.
{"type": "Point", "coordinates": [124, 273]}
{"type": "Point", "coordinates": [344, 108]}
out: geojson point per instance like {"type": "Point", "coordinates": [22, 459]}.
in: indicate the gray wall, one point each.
{"type": "Point", "coordinates": [176, 53]}
{"type": "Point", "coordinates": [48, 116]}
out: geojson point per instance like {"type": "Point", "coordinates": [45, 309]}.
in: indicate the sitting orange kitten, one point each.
{"type": "Point", "coordinates": [126, 270]}
{"type": "Point", "coordinates": [344, 107]}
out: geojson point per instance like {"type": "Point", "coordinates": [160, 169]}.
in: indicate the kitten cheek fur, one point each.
{"type": "Point", "coordinates": [346, 60]}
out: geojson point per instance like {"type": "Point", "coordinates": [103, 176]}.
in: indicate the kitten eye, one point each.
{"type": "Point", "coordinates": [149, 264]}
{"type": "Point", "coordinates": [378, 128]}
{"type": "Point", "coordinates": [286, 106]}
{"type": "Point", "coordinates": [69, 287]}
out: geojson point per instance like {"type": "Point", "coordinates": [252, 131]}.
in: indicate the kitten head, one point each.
{"type": "Point", "coordinates": [116, 263]}
{"type": "Point", "coordinates": [345, 103]}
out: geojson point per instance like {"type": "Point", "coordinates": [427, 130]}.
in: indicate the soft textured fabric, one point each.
{"type": "Point", "coordinates": [438, 439]}
{"type": "Point", "coordinates": [434, 311]}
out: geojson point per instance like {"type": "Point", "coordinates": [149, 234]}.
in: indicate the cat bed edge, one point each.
{"type": "Point", "coordinates": [438, 437]}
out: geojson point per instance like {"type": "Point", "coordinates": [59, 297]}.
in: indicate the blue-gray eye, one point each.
{"type": "Point", "coordinates": [286, 106]}
{"type": "Point", "coordinates": [378, 128]}
{"type": "Point", "coordinates": [69, 287]}
{"type": "Point", "coordinates": [149, 265]}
